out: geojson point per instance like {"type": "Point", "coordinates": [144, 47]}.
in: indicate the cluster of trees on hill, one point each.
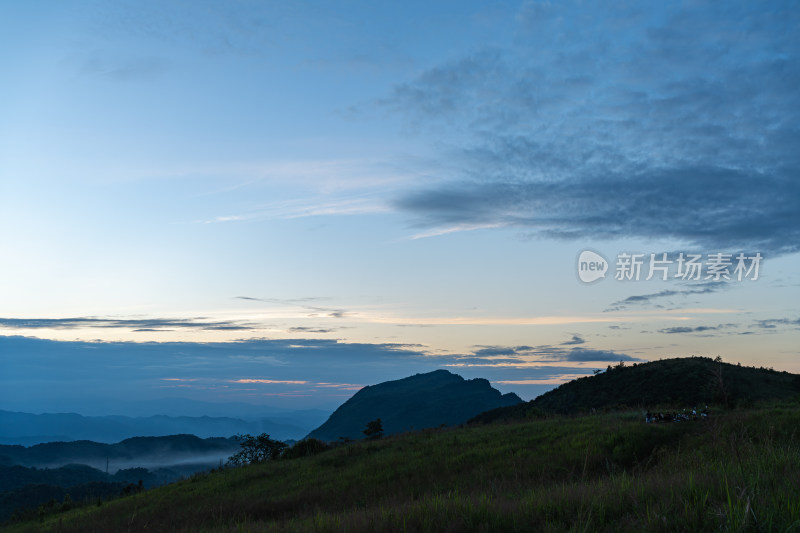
{"type": "Point", "coordinates": [680, 382]}
{"type": "Point", "coordinates": [261, 448]}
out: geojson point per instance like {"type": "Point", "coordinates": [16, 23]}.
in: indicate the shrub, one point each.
{"type": "Point", "coordinates": [305, 448]}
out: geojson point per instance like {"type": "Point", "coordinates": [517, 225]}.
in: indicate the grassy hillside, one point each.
{"type": "Point", "coordinates": [737, 471]}
{"type": "Point", "coordinates": [682, 383]}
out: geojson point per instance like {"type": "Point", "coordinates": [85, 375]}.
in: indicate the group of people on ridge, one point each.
{"type": "Point", "coordinates": [676, 417]}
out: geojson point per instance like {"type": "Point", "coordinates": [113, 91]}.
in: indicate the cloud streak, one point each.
{"type": "Point", "coordinates": [139, 324]}
{"type": "Point", "coordinates": [340, 207]}
{"type": "Point", "coordinates": [315, 311]}
{"type": "Point", "coordinates": [522, 356]}
{"type": "Point", "coordinates": [777, 323]}
{"type": "Point", "coordinates": [695, 329]}
{"type": "Point", "coordinates": [649, 299]}
{"type": "Point", "coordinates": [576, 339]}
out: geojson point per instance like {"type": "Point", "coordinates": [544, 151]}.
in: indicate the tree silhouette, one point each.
{"type": "Point", "coordinates": [256, 449]}
{"type": "Point", "coordinates": [374, 429]}
{"type": "Point", "coordinates": [721, 393]}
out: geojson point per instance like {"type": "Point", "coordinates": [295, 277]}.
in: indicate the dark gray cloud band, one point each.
{"type": "Point", "coordinates": [610, 121]}
{"type": "Point", "coordinates": [544, 353]}
{"type": "Point", "coordinates": [716, 209]}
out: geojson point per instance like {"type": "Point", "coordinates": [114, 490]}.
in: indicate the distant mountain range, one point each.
{"type": "Point", "coordinates": [33, 475]}
{"type": "Point", "coordinates": [421, 401]}
{"type": "Point", "coordinates": [147, 452]}
{"type": "Point", "coordinates": [28, 429]}
{"type": "Point", "coordinates": [681, 382]}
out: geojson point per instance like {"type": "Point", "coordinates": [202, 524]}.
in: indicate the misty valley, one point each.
{"type": "Point", "coordinates": [88, 471]}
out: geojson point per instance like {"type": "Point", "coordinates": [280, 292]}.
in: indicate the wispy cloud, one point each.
{"type": "Point", "coordinates": [532, 356]}
{"type": "Point", "coordinates": [125, 69]}
{"type": "Point", "coordinates": [492, 351]}
{"type": "Point", "coordinates": [557, 379]}
{"type": "Point", "coordinates": [776, 323]}
{"type": "Point", "coordinates": [576, 339]}
{"type": "Point", "coordinates": [226, 29]}
{"type": "Point", "coordinates": [307, 208]}
{"type": "Point", "coordinates": [138, 324]}
{"type": "Point", "coordinates": [455, 228]}
{"type": "Point", "coordinates": [642, 300]}
{"type": "Point", "coordinates": [493, 320]}
{"type": "Point", "coordinates": [308, 188]}
{"type": "Point", "coordinates": [288, 301]}
{"type": "Point", "coordinates": [665, 314]}
{"type": "Point", "coordinates": [268, 381]}
{"type": "Point", "coordinates": [696, 329]}
{"type": "Point", "coordinates": [309, 329]}
{"type": "Point", "coordinates": [315, 311]}
{"type": "Point", "coordinates": [342, 386]}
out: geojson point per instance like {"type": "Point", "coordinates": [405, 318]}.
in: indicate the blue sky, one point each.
{"type": "Point", "coordinates": [349, 192]}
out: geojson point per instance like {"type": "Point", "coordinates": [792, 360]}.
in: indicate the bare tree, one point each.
{"type": "Point", "coordinates": [719, 382]}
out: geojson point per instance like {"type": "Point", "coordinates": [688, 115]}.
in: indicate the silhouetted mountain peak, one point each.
{"type": "Point", "coordinates": [419, 401]}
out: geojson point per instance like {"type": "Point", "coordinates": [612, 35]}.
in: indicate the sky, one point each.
{"type": "Point", "coordinates": [278, 203]}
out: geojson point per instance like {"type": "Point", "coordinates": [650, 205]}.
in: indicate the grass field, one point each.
{"type": "Point", "coordinates": [738, 471]}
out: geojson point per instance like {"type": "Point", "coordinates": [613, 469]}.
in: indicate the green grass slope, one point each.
{"type": "Point", "coordinates": [737, 471]}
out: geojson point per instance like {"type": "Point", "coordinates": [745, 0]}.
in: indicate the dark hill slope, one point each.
{"type": "Point", "coordinates": [420, 401]}
{"type": "Point", "coordinates": [682, 382]}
